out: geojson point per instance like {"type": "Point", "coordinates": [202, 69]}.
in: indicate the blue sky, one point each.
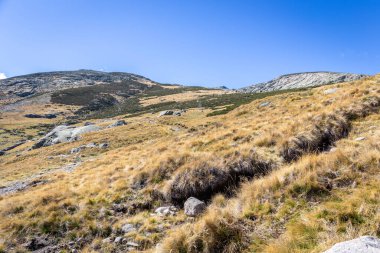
{"type": "Point", "coordinates": [195, 42]}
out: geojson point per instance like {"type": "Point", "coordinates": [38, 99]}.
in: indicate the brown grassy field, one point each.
{"type": "Point", "coordinates": [271, 180]}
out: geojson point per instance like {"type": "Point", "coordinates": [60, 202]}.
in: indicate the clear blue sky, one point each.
{"type": "Point", "coordinates": [197, 42]}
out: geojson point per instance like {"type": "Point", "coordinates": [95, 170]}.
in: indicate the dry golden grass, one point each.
{"type": "Point", "coordinates": [304, 206]}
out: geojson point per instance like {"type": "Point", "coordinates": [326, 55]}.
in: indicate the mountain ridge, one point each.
{"type": "Point", "coordinates": [302, 80]}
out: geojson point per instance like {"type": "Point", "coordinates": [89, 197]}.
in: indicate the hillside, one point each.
{"type": "Point", "coordinates": [284, 171]}
{"type": "Point", "coordinates": [302, 80]}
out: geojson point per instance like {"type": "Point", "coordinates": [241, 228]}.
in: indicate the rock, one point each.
{"type": "Point", "coordinates": [301, 80]}
{"type": "Point", "coordinates": [118, 123]}
{"type": "Point", "coordinates": [363, 244]}
{"type": "Point", "coordinates": [64, 134]}
{"type": "Point", "coordinates": [118, 239]}
{"type": "Point", "coordinates": [166, 210]}
{"type": "Point", "coordinates": [2, 153]}
{"type": "Point", "coordinates": [107, 240]}
{"type": "Point", "coordinates": [164, 113]}
{"type": "Point", "coordinates": [330, 91]}
{"type": "Point", "coordinates": [126, 228]}
{"type": "Point", "coordinates": [193, 207]}
{"type": "Point", "coordinates": [77, 150]}
{"type": "Point", "coordinates": [177, 113]}
{"type": "Point", "coordinates": [39, 116]}
{"type": "Point", "coordinates": [264, 104]}
{"type": "Point", "coordinates": [360, 138]}
{"type": "Point", "coordinates": [36, 243]}
{"type": "Point", "coordinates": [104, 145]}
{"type": "Point", "coordinates": [133, 244]}
{"type": "Point", "coordinates": [88, 123]}
{"type": "Point", "coordinates": [91, 145]}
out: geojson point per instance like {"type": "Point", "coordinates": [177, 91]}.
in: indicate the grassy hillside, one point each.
{"type": "Point", "coordinates": [291, 175]}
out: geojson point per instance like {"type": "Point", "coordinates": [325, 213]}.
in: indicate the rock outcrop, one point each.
{"type": "Point", "coordinates": [27, 85]}
{"type": "Point", "coordinates": [64, 134]}
{"type": "Point", "coordinates": [301, 80]}
{"type": "Point", "coordinates": [364, 244]}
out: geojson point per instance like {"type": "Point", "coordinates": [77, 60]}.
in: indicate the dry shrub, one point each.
{"type": "Point", "coordinates": [218, 232]}
{"type": "Point", "coordinates": [326, 130]}
{"type": "Point", "coordinates": [205, 180]}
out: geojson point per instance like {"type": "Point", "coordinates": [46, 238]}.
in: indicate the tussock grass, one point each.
{"type": "Point", "coordinates": [327, 130]}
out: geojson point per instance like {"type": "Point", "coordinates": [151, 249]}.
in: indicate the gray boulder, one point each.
{"type": "Point", "coordinates": [126, 228]}
{"type": "Point", "coordinates": [118, 123]}
{"type": "Point", "coordinates": [264, 104]}
{"type": "Point", "coordinates": [364, 244]}
{"type": "Point", "coordinates": [164, 113]}
{"type": "Point", "coordinates": [64, 134]}
{"type": "Point", "coordinates": [330, 91]}
{"type": "Point", "coordinates": [193, 207]}
{"type": "Point", "coordinates": [177, 113]}
{"type": "Point", "coordinates": [166, 210]}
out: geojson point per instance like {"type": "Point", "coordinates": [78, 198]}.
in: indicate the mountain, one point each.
{"type": "Point", "coordinates": [302, 80]}
{"type": "Point", "coordinates": [27, 85]}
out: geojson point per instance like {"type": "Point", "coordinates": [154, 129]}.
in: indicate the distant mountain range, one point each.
{"type": "Point", "coordinates": [301, 80]}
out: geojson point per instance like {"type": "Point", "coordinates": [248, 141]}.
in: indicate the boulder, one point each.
{"type": "Point", "coordinates": [104, 145]}
{"type": "Point", "coordinates": [64, 134]}
{"type": "Point", "coordinates": [361, 138]}
{"type": "Point", "coordinates": [363, 244]}
{"type": "Point", "coordinates": [126, 228]}
{"type": "Point", "coordinates": [166, 210]}
{"type": "Point", "coordinates": [164, 113]}
{"type": "Point", "coordinates": [330, 91]}
{"type": "Point", "coordinates": [36, 243]}
{"type": "Point", "coordinates": [177, 113]}
{"type": "Point", "coordinates": [193, 207]}
{"type": "Point", "coordinates": [118, 123]}
{"type": "Point", "coordinates": [264, 104]}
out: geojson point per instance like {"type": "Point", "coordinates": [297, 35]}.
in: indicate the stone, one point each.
{"type": "Point", "coordinates": [126, 228]}
{"type": "Point", "coordinates": [133, 244]}
{"type": "Point", "coordinates": [62, 134]}
{"type": "Point", "coordinates": [264, 104]}
{"type": "Point", "coordinates": [360, 138]}
{"type": "Point", "coordinates": [118, 239]}
{"type": "Point", "coordinates": [107, 240]}
{"type": "Point", "coordinates": [103, 145]}
{"type": "Point", "coordinates": [193, 207]}
{"type": "Point", "coordinates": [118, 123]}
{"type": "Point", "coordinates": [330, 91]}
{"type": "Point", "coordinates": [363, 244]}
{"type": "Point", "coordinates": [177, 113]}
{"type": "Point", "coordinates": [88, 123]}
{"type": "Point", "coordinates": [166, 210]}
{"type": "Point", "coordinates": [36, 243]}
{"type": "Point", "coordinates": [164, 113]}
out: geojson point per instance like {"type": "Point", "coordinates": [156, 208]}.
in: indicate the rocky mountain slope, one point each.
{"type": "Point", "coordinates": [302, 80]}
{"type": "Point", "coordinates": [23, 86]}
{"type": "Point", "coordinates": [285, 171]}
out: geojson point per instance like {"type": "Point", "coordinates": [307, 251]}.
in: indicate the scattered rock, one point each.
{"type": "Point", "coordinates": [118, 239]}
{"type": "Point", "coordinates": [36, 243]}
{"type": "Point", "coordinates": [133, 244]}
{"type": "Point", "coordinates": [361, 138]}
{"type": "Point", "coordinates": [41, 116]}
{"type": "Point", "coordinates": [166, 210]}
{"type": "Point", "coordinates": [193, 207]}
{"type": "Point", "coordinates": [104, 145]}
{"type": "Point", "coordinates": [363, 244]}
{"type": "Point", "coordinates": [126, 228]}
{"type": "Point", "coordinates": [107, 240]}
{"type": "Point", "coordinates": [118, 123]}
{"type": "Point", "coordinates": [164, 113]}
{"type": "Point", "coordinates": [64, 134]}
{"type": "Point", "coordinates": [264, 104]}
{"type": "Point", "coordinates": [330, 91]}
